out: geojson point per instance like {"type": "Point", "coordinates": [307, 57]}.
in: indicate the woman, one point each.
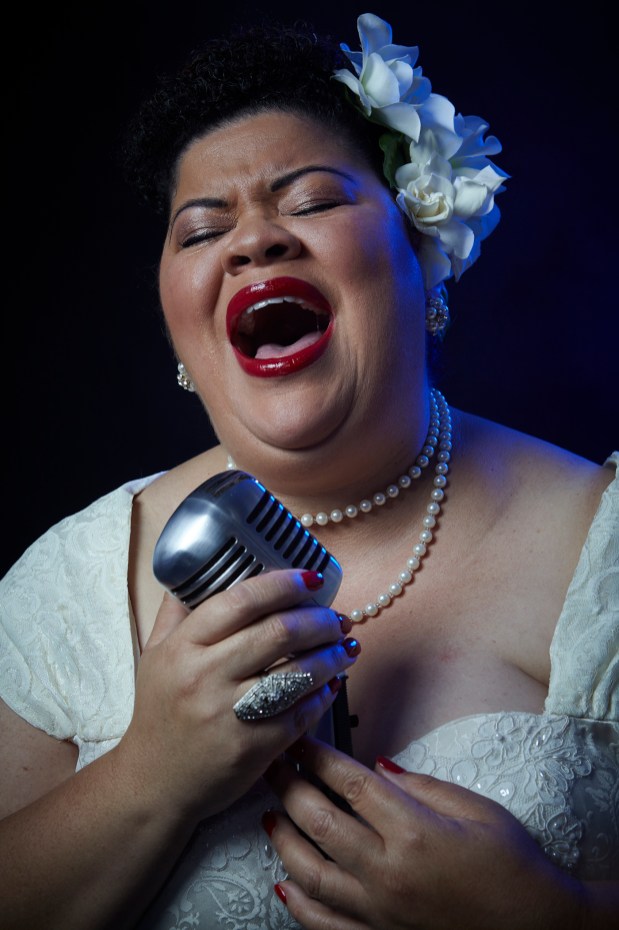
{"type": "Point", "coordinates": [302, 267]}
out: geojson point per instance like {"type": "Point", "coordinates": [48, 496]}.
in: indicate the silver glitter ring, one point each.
{"type": "Point", "coordinates": [273, 694]}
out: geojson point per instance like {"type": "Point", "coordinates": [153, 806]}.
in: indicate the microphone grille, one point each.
{"type": "Point", "coordinates": [286, 535]}
{"type": "Point", "coordinates": [231, 528]}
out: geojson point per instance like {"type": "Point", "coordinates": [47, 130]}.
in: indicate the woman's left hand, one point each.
{"type": "Point", "coordinates": [420, 853]}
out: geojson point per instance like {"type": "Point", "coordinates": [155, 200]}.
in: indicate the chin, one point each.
{"type": "Point", "coordinates": [295, 424]}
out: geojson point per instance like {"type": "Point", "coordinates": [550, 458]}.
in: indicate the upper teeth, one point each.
{"type": "Point", "coordinates": [275, 300]}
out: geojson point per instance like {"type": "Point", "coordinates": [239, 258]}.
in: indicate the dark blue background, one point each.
{"type": "Point", "coordinates": [92, 396]}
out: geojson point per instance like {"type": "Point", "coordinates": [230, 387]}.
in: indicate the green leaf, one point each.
{"type": "Point", "coordinates": [391, 143]}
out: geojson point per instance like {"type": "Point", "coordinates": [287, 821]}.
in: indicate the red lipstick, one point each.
{"type": "Point", "coordinates": [279, 291]}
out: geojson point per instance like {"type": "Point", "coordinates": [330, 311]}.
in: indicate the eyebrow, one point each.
{"type": "Point", "coordinates": [292, 176]}
{"type": "Point", "coordinates": [278, 184]}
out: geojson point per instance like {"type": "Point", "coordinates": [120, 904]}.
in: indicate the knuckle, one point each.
{"type": "Point", "coordinates": [184, 676]}
{"type": "Point", "coordinates": [314, 881]}
{"type": "Point", "coordinates": [413, 841]}
{"type": "Point", "coordinates": [356, 788]}
{"type": "Point", "coordinates": [328, 624]}
{"type": "Point", "coordinates": [189, 685]}
{"type": "Point", "coordinates": [338, 659]}
{"type": "Point", "coordinates": [244, 597]}
{"type": "Point", "coordinates": [424, 781]}
{"type": "Point", "coordinates": [280, 628]}
{"type": "Point", "coordinates": [260, 594]}
{"type": "Point", "coordinates": [321, 825]}
{"type": "Point", "coordinates": [413, 847]}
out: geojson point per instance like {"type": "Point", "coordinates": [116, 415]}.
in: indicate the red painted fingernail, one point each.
{"type": "Point", "coordinates": [345, 623]}
{"type": "Point", "coordinates": [389, 764]}
{"type": "Point", "coordinates": [279, 891]}
{"type": "Point", "coordinates": [335, 684]}
{"type": "Point", "coordinates": [312, 580]}
{"type": "Point", "coordinates": [352, 647]}
{"type": "Point", "coordinates": [269, 822]}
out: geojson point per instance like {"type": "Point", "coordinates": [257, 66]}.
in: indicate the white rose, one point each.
{"type": "Point", "coordinates": [388, 85]}
{"type": "Point", "coordinates": [447, 188]}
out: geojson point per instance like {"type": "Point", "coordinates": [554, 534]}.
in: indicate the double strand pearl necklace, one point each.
{"type": "Point", "coordinates": [439, 436]}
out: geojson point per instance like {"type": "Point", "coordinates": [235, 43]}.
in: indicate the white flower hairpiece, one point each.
{"type": "Point", "coordinates": [438, 162]}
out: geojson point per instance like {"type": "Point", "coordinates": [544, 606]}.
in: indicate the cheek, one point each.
{"type": "Point", "coordinates": [382, 264]}
{"type": "Point", "coordinates": [382, 245]}
{"type": "Point", "coordinates": [187, 291]}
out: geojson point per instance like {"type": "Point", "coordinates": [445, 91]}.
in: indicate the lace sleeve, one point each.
{"type": "Point", "coordinates": [584, 680]}
{"type": "Point", "coordinates": [65, 628]}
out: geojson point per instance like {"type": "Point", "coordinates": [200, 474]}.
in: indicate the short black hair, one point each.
{"type": "Point", "coordinates": [253, 69]}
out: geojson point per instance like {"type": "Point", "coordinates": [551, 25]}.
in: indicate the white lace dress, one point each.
{"type": "Point", "coordinates": [68, 653]}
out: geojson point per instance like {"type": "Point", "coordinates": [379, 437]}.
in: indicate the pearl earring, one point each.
{"type": "Point", "coordinates": [183, 378]}
{"type": "Point", "coordinates": [437, 314]}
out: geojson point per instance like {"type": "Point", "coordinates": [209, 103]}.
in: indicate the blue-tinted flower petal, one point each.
{"type": "Point", "coordinates": [356, 58]}
{"type": "Point", "coordinates": [401, 117]}
{"type": "Point", "coordinates": [348, 78]}
{"type": "Point", "coordinates": [435, 264]}
{"type": "Point", "coordinates": [472, 199]}
{"type": "Point", "coordinates": [447, 189]}
{"type": "Point", "coordinates": [374, 32]}
{"type": "Point", "coordinates": [404, 75]}
{"type": "Point", "coordinates": [457, 238]}
{"type": "Point", "coordinates": [379, 82]}
{"type": "Point", "coordinates": [437, 115]}
{"type": "Point", "coordinates": [419, 90]}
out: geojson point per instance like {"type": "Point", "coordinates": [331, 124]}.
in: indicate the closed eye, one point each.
{"type": "Point", "coordinates": [203, 235]}
{"type": "Point", "coordinates": [317, 207]}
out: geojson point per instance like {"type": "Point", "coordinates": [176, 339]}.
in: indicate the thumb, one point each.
{"type": "Point", "coordinates": [440, 796]}
{"type": "Point", "coordinates": [169, 617]}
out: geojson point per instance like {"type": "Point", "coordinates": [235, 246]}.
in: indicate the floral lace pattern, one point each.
{"type": "Point", "coordinates": [67, 665]}
{"type": "Point", "coordinates": [556, 774]}
{"type": "Point", "coordinates": [225, 877]}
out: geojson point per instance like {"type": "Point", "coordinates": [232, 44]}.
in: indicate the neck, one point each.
{"type": "Point", "coordinates": [341, 471]}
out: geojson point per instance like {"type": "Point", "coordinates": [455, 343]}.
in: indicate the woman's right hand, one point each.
{"type": "Point", "coordinates": [116, 827]}
{"type": "Point", "coordinates": [185, 746]}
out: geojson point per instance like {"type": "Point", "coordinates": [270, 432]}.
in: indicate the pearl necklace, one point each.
{"type": "Point", "coordinates": [439, 434]}
{"type": "Point", "coordinates": [441, 430]}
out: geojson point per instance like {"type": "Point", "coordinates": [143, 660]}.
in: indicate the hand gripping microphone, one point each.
{"type": "Point", "coordinates": [231, 528]}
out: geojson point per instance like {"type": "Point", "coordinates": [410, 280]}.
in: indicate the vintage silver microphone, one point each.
{"type": "Point", "coordinates": [231, 528]}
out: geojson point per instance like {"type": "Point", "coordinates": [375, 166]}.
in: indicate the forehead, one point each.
{"type": "Point", "coordinates": [257, 147]}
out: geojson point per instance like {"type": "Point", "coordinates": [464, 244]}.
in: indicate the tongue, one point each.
{"type": "Point", "coordinates": [273, 350]}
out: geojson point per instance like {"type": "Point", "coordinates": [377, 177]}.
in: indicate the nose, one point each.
{"type": "Point", "coordinates": [260, 241]}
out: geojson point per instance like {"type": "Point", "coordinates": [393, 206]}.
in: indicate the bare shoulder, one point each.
{"type": "Point", "coordinates": [530, 502]}
{"type": "Point", "coordinates": [530, 471]}
{"type": "Point", "coordinates": [527, 508]}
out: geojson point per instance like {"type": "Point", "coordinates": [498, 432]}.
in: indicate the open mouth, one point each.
{"type": "Point", "coordinates": [278, 326]}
